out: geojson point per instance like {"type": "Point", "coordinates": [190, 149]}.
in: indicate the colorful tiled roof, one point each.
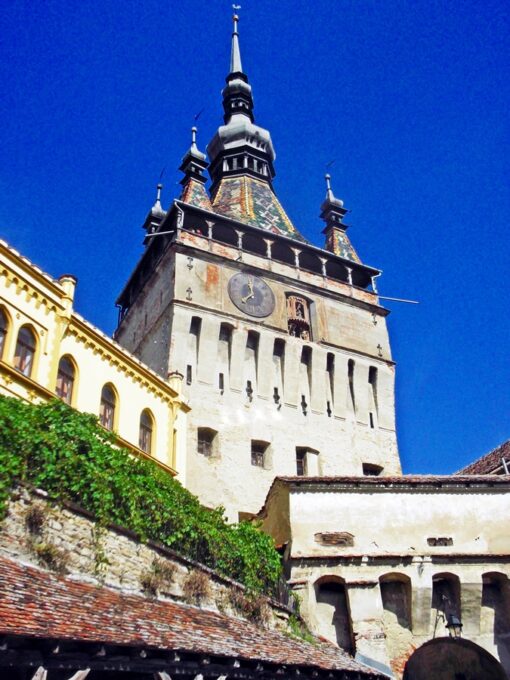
{"type": "Point", "coordinates": [39, 604]}
{"type": "Point", "coordinates": [195, 193]}
{"type": "Point", "coordinates": [252, 201]}
{"type": "Point", "coordinates": [490, 464]}
{"type": "Point", "coordinates": [338, 242]}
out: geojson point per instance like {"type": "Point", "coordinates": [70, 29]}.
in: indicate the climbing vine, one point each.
{"type": "Point", "coordinates": [68, 454]}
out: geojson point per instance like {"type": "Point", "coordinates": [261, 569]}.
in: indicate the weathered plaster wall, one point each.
{"type": "Point", "coordinates": [374, 543]}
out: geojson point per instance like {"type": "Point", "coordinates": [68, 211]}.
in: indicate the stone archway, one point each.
{"type": "Point", "coordinates": [447, 658]}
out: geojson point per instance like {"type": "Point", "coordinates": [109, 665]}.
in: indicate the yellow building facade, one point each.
{"type": "Point", "coordinates": [47, 350]}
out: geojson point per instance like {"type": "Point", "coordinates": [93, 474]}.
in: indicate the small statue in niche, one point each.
{"type": "Point", "coordinates": [298, 316]}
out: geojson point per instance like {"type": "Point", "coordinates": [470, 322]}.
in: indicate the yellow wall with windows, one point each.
{"type": "Point", "coordinates": [29, 297]}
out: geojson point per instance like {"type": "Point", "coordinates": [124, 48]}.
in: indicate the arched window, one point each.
{"type": "Point", "coordinates": [65, 379]}
{"type": "Point", "coordinates": [4, 325]}
{"type": "Point", "coordinates": [107, 407]}
{"type": "Point", "coordinates": [146, 431]}
{"type": "Point", "coordinates": [25, 351]}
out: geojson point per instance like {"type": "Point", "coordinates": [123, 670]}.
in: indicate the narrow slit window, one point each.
{"type": "Point", "coordinates": [330, 371]}
{"type": "Point", "coordinates": [350, 375]}
{"type": "Point", "coordinates": [189, 374]}
{"type": "Point", "coordinates": [301, 462]}
{"type": "Point", "coordinates": [372, 381]}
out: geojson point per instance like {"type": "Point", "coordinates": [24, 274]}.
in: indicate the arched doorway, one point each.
{"type": "Point", "coordinates": [452, 659]}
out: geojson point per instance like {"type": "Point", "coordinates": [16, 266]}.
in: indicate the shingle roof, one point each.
{"type": "Point", "coordinates": [489, 463]}
{"type": "Point", "coordinates": [39, 604]}
{"type": "Point", "coordinates": [252, 201]}
{"type": "Point", "coordinates": [195, 193]}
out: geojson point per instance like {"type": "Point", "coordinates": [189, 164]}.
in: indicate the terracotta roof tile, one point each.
{"type": "Point", "coordinates": [402, 480]}
{"type": "Point", "coordinates": [488, 464]}
{"type": "Point", "coordinates": [36, 603]}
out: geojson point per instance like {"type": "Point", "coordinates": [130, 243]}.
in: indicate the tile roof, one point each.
{"type": "Point", "coordinates": [195, 193]}
{"type": "Point", "coordinates": [488, 464]}
{"type": "Point", "coordinates": [402, 480]}
{"type": "Point", "coordinates": [253, 201]}
{"type": "Point", "coordinates": [338, 242]}
{"type": "Point", "coordinates": [39, 604]}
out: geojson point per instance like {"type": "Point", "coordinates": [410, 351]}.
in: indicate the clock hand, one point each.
{"type": "Point", "coordinates": [251, 293]}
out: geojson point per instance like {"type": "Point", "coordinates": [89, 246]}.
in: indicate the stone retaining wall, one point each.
{"type": "Point", "coordinates": [67, 539]}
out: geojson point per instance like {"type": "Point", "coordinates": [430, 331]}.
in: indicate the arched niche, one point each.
{"type": "Point", "coordinates": [495, 612]}
{"type": "Point", "coordinates": [333, 612]}
{"type": "Point", "coordinates": [396, 595]}
{"type": "Point", "coordinates": [446, 602]}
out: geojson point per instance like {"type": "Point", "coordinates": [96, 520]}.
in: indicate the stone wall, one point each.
{"type": "Point", "coordinates": [66, 539]}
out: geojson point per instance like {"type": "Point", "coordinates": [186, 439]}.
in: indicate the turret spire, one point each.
{"type": "Point", "coordinates": [193, 166]}
{"type": "Point", "coordinates": [235, 55]}
{"type": "Point", "coordinates": [333, 212]}
{"type": "Point", "coordinates": [155, 215]}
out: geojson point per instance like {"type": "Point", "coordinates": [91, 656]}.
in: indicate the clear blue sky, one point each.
{"type": "Point", "coordinates": [411, 101]}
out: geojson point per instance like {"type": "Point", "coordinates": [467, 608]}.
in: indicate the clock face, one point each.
{"type": "Point", "coordinates": [251, 295]}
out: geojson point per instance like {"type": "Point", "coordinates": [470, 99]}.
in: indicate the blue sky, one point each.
{"type": "Point", "coordinates": [409, 99]}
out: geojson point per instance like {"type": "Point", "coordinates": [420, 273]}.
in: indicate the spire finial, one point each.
{"type": "Point", "coordinates": [157, 204]}
{"type": "Point", "coordinates": [194, 138]}
{"type": "Point", "coordinates": [235, 55]}
{"type": "Point", "coordinates": [329, 191]}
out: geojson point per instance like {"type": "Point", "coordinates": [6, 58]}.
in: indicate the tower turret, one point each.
{"type": "Point", "coordinates": [333, 212]}
{"type": "Point", "coordinates": [155, 215]}
{"type": "Point", "coordinates": [193, 165]}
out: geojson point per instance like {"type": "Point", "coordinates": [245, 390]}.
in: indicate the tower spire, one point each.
{"type": "Point", "coordinates": [237, 97]}
{"type": "Point", "coordinates": [235, 55]}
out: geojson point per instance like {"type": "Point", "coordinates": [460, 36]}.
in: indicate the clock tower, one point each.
{"type": "Point", "coordinates": [282, 344]}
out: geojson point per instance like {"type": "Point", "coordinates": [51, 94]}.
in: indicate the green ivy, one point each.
{"type": "Point", "coordinates": [69, 455]}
